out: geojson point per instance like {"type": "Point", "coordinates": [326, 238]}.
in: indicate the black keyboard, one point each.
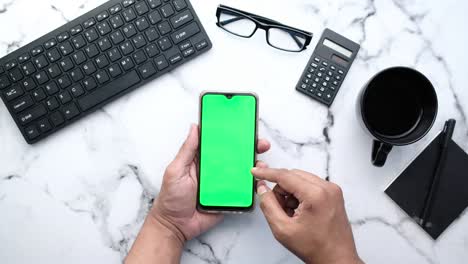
{"type": "Point", "coordinates": [96, 58]}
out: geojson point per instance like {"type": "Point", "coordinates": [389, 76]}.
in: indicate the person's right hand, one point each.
{"type": "Point", "coordinates": [306, 215]}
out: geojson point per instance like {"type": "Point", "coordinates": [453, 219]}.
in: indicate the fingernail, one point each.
{"type": "Point", "coordinates": [254, 169]}
{"type": "Point", "coordinates": [262, 189]}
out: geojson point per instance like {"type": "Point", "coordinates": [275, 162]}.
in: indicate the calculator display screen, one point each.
{"type": "Point", "coordinates": [336, 47]}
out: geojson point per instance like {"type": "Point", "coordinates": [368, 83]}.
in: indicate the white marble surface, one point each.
{"type": "Point", "coordinates": [81, 195]}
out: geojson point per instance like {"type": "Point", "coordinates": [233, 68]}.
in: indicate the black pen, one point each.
{"type": "Point", "coordinates": [430, 197]}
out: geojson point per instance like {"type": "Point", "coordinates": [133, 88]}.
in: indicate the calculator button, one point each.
{"type": "Point", "coordinates": [319, 74]}
{"type": "Point", "coordinates": [314, 85]}
{"type": "Point", "coordinates": [322, 69]}
{"type": "Point", "coordinates": [328, 97]}
{"type": "Point", "coordinates": [325, 84]}
{"type": "Point", "coordinates": [338, 77]}
{"type": "Point", "coordinates": [322, 89]}
{"type": "Point", "coordinates": [316, 59]}
{"type": "Point", "coordinates": [324, 63]}
{"type": "Point", "coordinates": [327, 79]}
{"type": "Point", "coordinates": [333, 68]}
{"type": "Point", "coordinates": [335, 83]}
{"type": "Point", "coordinates": [319, 94]}
{"type": "Point", "coordinates": [311, 70]}
{"type": "Point", "coordinates": [309, 76]}
{"type": "Point", "coordinates": [314, 65]}
{"type": "Point", "coordinates": [306, 81]}
{"type": "Point", "coordinates": [340, 72]}
{"type": "Point", "coordinates": [304, 86]}
{"type": "Point", "coordinates": [329, 73]}
{"type": "Point", "coordinates": [317, 80]}
{"type": "Point", "coordinates": [332, 88]}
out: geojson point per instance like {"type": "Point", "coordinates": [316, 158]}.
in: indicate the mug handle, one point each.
{"type": "Point", "coordinates": [380, 152]}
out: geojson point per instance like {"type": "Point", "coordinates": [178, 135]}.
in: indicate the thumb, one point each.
{"type": "Point", "coordinates": [189, 149]}
{"type": "Point", "coordinates": [271, 208]}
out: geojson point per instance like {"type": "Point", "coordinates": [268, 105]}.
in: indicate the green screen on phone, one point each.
{"type": "Point", "coordinates": [227, 150]}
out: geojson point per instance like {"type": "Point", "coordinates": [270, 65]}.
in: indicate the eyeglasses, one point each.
{"type": "Point", "coordinates": [280, 36]}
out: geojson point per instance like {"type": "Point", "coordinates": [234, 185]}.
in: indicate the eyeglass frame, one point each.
{"type": "Point", "coordinates": [265, 24]}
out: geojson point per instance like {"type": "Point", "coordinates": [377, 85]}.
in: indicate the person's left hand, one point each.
{"type": "Point", "coordinates": [175, 207]}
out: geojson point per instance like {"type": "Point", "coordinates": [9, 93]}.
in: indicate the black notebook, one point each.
{"type": "Point", "coordinates": [410, 189]}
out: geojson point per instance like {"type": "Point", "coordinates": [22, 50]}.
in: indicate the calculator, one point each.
{"type": "Point", "coordinates": [328, 66]}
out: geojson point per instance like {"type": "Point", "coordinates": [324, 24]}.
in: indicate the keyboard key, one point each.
{"type": "Point", "coordinates": [91, 35]}
{"type": "Point", "coordinates": [188, 52]}
{"type": "Point", "coordinates": [22, 103]}
{"type": "Point", "coordinates": [64, 97]}
{"type": "Point", "coordinates": [89, 23]}
{"type": "Point", "coordinates": [167, 10]}
{"type": "Point", "coordinates": [176, 58]}
{"type": "Point", "coordinates": [114, 54]}
{"type": "Point", "coordinates": [164, 28]}
{"type": "Point", "coordinates": [104, 44]}
{"type": "Point", "coordinates": [104, 28]}
{"type": "Point", "coordinates": [89, 68]}
{"type": "Point", "coordinates": [77, 90]}
{"type": "Point", "coordinates": [28, 84]}
{"type": "Point", "coordinates": [92, 51]}
{"type": "Point", "coordinates": [151, 34]}
{"type": "Point", "coordinates": [102, 61]}
{"type": "Point", "coordinates": [75, 30]}
{"type": "Point", "coordinates": [179, 4]}
{"type": "Point", "coordinates": [181, 19]}
{"type": "Point", "coordinates": [4, 82]}
{"type": "Point", "coordinates": [39, 95]}
{"type": "Point", "coordinates": [51, 88]}
{"type": "Point", "coordinates": [41, 62]}
{"type": "Point", "coordinates": [66, 48]}
{"type": "Point", "coordinates": [57, 119]}
{"type": "Point", "coordinates": [76, 75]}
{"type": "Point", "coordinates": [141, 8]}
{"type": "Point", "coordinates": [129, 31]}
{"type": "Point", "coordinates": [119, 85]}
{"type": "Point", "coordinates": [147, 70]}
{"type": "Point", "coordinates": [154, 17]}
{"type": "Point", "coordinates": [66, 64]}
{"type": "Point", "coordinates": [32, 114]}
{"type": "Point", "coordinates": [79, 42]}
{"type": "Point", "coordinates": [89, 84]}
{"type": "Point", "coordinates": [79, 57]}
{"type": "Point", "coordinates": [142, 24]}
{"type": "Point", "coordinates": [70, 111]}
{"type": "Point", "coordinates": [13, 93]}
{"type": "Point", "coordinates": [127, 64]}
{"type": "Point", "coordinates": [52, 103]}
{"type": "Point", "coordinates": [63, 36]}
{"type": "Point", "coordinates": [185, 33]}
{"type": "Point", "coordinates": [116, 21]}
{"type": "Point", "coordinates": [152, 50]}
{"type": "Point", "coordinates": [31, 132]}
{"type": "Point", "coordinates": [127, 3]}
{"type": "Point", "coordinates": [126, 48]}
{"type": "Point", "coordinates": [161, 63]}
{"type": "Point", "coordinates": [54, 71]}
{"type": "Point", "coordinates": [41, 77]}
{"type": "Point", "coordinates": [102, 16]}
{"type": "Point", "coordinates": [139, 41]}
{"type": "Point", "coordinates": [154, 3]}
{"type": "Point", "coordinates": [23, 58]}
{"type": "Point", "coordinates": [36, 51]}
{"type": "Point", "coordinates": [115, 70]}
{"type": "Point", "coordinates": [164, 44]}
{"type": "Point", "coordinates": [139, 57]}
{"type": "Point", "coordinates": [115, 9]}
{"type": "Point", "coordinates": [16, 75]}
{"type": "Point", "coordinates": [44, 125]}
{"type": "Point", "coordinates": [53, 55]}
{"type": "Point", "coordinates": [64, 82]}
{"type": "Point", "coordinates": [129, 15]}
{"type": "Point", "coordinates": [102, 77]}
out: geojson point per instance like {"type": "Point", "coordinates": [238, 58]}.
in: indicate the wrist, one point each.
{"type": "Point", "coordinates": [166, 228]}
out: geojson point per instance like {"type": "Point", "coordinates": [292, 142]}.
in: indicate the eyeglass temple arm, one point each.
{"type": "Point", "coordinates": [228, 21]}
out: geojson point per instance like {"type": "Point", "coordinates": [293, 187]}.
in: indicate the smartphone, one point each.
{"type": "Point", "coordinates": [228, 135]}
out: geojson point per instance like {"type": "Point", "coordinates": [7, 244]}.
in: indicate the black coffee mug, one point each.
{"type": "Point", "coordinates": [398, 106]}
